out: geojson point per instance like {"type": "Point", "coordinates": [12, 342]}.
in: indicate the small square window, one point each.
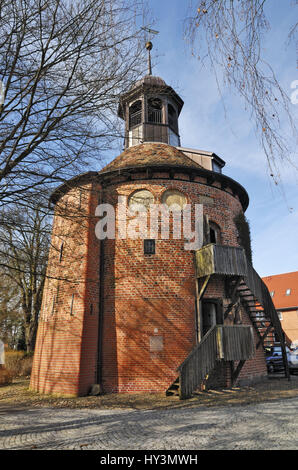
{"type": "Point", "coordinates": [288, 291]}
{"type": "Point", "coordinates": [149, 247]}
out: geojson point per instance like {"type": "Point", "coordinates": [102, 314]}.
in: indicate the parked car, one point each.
{"type": "Point", "coordinates": [293, 361]}
{"type": "Point", "coordinates": [274, 360]}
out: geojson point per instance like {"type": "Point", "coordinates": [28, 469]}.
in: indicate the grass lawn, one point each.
{"type": "Point", "coordinates": [17, 394]}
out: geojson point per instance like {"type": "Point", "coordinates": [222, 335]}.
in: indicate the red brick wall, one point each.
{"type": "Point", "coordinates": [66, 347]}
{"type": "Point", "coordinates": [155, 295]}
{"type": "Point", "coordinates": [148, 299]}
{"type": "Point", "coordinates": [255, 368]}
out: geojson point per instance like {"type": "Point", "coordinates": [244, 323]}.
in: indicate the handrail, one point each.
{"type": "Point", "coordinates": [259, 289]}
{"type": "Point", "coordinates": [221, 259]}
{"type": "Point", "coordinates": [198, 346]}
{"type": "Point", "coordinates": [200, 362]}
{"type": "Point", "coordinates": [220, 342]}
{"type": "Point", "coordinates": [232, 261]}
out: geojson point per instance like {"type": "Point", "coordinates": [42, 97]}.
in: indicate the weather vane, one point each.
{"type": "Point", "coordinates": [149, 46]}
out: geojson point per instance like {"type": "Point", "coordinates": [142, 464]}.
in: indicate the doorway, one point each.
{"type": "Point", "coordinates": [212, 314]}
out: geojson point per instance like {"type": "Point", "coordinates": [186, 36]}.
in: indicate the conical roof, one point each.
{"type": "Point", "coordinates": [151, 154]}
{"type": "Point", "coordinates": [148, 154]}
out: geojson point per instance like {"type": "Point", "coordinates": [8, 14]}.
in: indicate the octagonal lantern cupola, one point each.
{"type": "Point", "coordinates": [150, 110]}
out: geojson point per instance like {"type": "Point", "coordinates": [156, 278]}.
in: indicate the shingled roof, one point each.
{"type": "Point", "coordinates": [150, 154]}
{"type": "Point", "coordinates": [284, 289]}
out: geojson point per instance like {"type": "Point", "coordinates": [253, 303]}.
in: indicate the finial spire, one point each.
{"type": "Point", "coordinates": [149, 47]}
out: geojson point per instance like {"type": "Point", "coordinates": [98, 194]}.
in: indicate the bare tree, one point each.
{"type": "Point", "coordinates": [231, 33]}
{"type": "Point", "coordinates": [10, 318]}
{"type": "Point", "coordinates": [62, 66]}
{"type": "Point", "coordinates": [24, 244]}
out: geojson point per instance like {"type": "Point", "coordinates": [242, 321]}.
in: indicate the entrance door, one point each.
{"type": "Point", "coordinates": [211, 314]}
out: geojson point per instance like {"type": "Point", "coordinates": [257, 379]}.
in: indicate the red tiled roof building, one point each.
{"type": "Point", "coordinates": [283, 289]}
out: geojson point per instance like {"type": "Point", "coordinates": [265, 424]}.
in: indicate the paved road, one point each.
{"type": "Point", "coordinates": [272, 425]}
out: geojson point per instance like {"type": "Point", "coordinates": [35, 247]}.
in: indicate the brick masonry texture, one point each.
{"type": "Point", "coordinates": [147, 311]}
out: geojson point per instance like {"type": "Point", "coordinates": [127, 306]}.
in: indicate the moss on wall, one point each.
{"type": "Point", "coordinates": [244, 237]}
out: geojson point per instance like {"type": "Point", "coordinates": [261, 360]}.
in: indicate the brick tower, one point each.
{"type": "Point", "coordinates": [132, 314]}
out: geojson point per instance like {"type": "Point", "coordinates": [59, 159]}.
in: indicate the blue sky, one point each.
{"type": "Point", "coordinates": [273, 211]}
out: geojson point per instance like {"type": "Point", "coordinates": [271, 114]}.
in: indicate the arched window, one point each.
{"type": "Point", "coordinates": [141, 196]}
{"type": "Point", "coordinates": [135, 114]}
{"type": "Point", "coordinates": [173, 197]}
{"type": "Point", "coordinates": [215, 234]}
{"type": "Point", "coordinates": [172, 118]}
{"type": "Point", "coordinates": [154, 110]}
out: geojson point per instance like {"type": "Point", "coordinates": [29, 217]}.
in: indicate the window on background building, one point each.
{"type": "Point", "coordinates": [288, 291]}
{"type": "Point", "coordinates": [272, 293]}
{"type": "Point", "coordinates": [279, 315]}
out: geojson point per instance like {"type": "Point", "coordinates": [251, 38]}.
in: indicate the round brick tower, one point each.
{"type": "Point", "coordinates": [123, 311]}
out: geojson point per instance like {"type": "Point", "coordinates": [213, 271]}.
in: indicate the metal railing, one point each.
{"type": "Point", "coordinates": [155, 116]}
{"type": "Point", "coordinates": [135, 119]}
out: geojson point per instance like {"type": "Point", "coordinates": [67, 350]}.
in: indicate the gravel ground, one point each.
{"type": "Point", "coordinates": [263, 426]}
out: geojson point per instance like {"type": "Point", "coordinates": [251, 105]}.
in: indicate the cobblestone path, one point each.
{"type": "Point", "coordinates": [271, 425]}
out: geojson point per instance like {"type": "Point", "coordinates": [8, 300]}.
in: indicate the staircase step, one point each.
{"type": "Point", "coordinates": [173, 388]}
{"type": "Point", "coordinates": [172, 393]}
{"type": "Point", "coordinates": [261, 319]}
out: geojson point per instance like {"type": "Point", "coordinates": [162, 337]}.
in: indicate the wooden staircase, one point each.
{"type": "Point", "coordinates": [262, 324]}
{"type": "Point", "coordinates": [174, 388]}
{"type": "Point", "coordinates": [228, 343]}
{"type": "Point", "coordinates": [256, 299]}
{"type": "Point", "coordinates": [246, 288]}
